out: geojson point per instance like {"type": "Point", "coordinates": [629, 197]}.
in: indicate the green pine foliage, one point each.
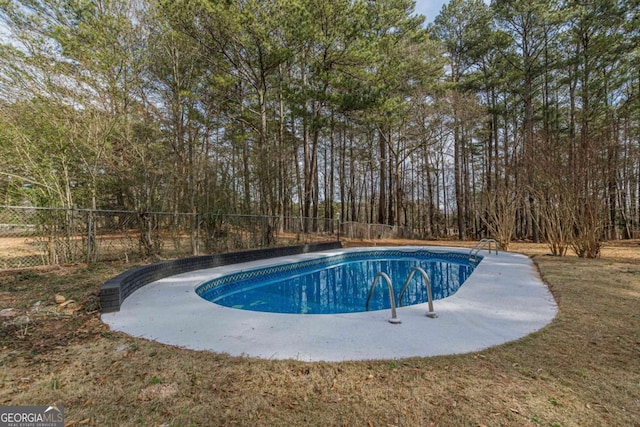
{"type": "Point", "coordinates": [517, 119]}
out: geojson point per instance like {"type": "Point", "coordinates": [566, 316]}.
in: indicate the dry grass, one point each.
{"type": "Point", "coordinates": [582, 370]}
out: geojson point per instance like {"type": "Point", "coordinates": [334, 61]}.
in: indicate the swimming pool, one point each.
{"type": "Point", "coordinates": [339, 284]}
{"type": "Point", "coordinates": [503, 300]}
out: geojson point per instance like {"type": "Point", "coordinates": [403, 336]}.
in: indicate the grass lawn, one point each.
{"type": "Point", "coordinates": [581, 370]}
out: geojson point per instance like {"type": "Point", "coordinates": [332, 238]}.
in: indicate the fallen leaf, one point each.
{"type": "Point", "coordinates": [65, 303]}
{"type": "Point", "coordinates": [7, 312]}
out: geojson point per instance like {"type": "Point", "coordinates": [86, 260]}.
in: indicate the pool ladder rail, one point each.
{"type": "Point", "coordinates": [482, 244]}
{"type": "Point", "coordinates": [394, 317]}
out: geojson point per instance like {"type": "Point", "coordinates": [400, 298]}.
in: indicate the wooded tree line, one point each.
{"type": "Point", "coordinates": [516, 120]}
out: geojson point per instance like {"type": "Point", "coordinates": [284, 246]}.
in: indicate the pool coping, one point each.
{"type": "Point", "coordinates": [169, 311]}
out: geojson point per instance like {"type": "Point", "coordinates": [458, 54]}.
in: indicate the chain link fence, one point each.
{"type": "Point", "coordinates": [358, 230]}
{"type": "Point", "coordinates": [31, 237]}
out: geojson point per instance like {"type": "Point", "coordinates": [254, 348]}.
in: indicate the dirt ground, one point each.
{"type": "Point", "coordinates": [581, 370]}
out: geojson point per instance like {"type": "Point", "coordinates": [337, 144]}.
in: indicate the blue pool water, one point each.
{"type": "Point", "coordinates": [338, 284]}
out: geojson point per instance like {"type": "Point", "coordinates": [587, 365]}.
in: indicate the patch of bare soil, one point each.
{"type": "Point", "coordinates": [582, 370]}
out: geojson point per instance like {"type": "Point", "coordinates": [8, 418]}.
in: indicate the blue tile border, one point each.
{"type": "Point", "coordinates": [272, 272]}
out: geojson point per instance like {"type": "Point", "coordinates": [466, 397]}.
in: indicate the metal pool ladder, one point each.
{"type": "Point", "coordinates": [482, 244]}
{"type": "Point", "coordinates": [427, 284]}
{"type": "Point", "coordinates": [394, 317]}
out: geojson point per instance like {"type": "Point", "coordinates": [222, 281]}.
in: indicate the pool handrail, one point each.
{"type": "Point", "coordinates": [473, 253]}
{"type": "Point", "coordinates": [394, 317]}
{"type": "Point", "coordinates": [427, 284]}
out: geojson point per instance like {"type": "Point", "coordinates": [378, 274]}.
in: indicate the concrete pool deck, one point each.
{"type": "Point", "coordinates": [503, 300]}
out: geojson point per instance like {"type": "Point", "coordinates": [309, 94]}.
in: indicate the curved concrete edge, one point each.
{"type": "Point", "coordinates": [503, 300]}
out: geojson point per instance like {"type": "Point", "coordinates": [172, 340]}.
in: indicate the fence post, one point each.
{"type": "Point", "coordinates": [89, 234]}
{"type": "Point", "coordinates": [198, 219]}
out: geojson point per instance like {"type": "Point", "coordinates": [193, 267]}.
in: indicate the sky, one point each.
{"type": "Point", "coordinates": [431, 8]}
